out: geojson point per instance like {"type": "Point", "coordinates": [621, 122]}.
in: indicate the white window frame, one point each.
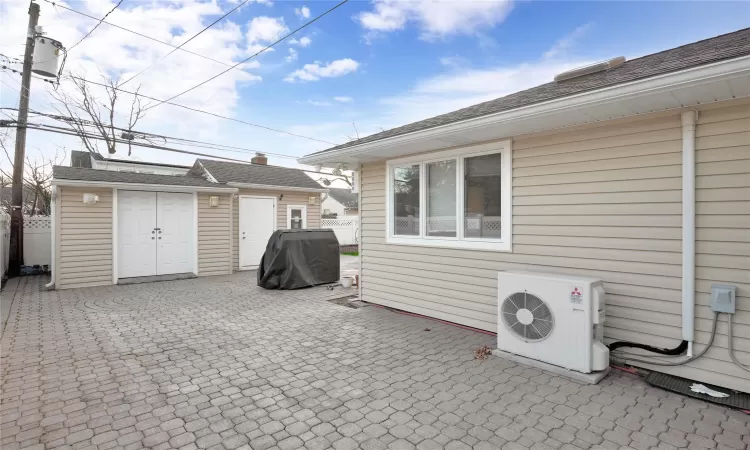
{"type": "Point", "coordinates": [303, 209]}
{"type": "Point", "coordinates": [503, 244]}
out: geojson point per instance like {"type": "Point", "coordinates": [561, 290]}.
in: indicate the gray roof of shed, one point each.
{"type": "Point", "coordinates": [731, 45]}
{"type": "Point", "coordinates": [111, 176]}
{"type": "Point", "coordinates": [229, 172]}
{"type": "Point", "coordinates": [344, 196]}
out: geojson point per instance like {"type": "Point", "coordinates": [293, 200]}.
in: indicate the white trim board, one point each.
{"type": "Point", "coordinates": [143, 187]}
{"type": "Point", "coordinates": [267, 187]}
{"type": "Point", "coordinates": [289, 209]}
{"type": "Point", "coordinates": [115, 243]}
{"type": "Point", "coordinates": [195, 234]}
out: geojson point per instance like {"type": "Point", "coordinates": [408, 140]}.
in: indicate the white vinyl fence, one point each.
{"type": "Point", "coordinates": [474, 226]}
{"type": "Point", "coordinates": [4, 243]}
{"type": "Point", "coordinates": [345, 228]}
{"type": "Point", "coordinates": [37, 241]}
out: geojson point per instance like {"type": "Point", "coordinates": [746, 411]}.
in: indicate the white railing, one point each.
{"type": "Point", "coordinates": [37, 241]}
{"type": "Point", "coordinates": [345, 228]}
{"type": "Point", "coordinates": [4, 243]}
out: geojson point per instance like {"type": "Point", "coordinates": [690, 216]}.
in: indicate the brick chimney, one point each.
{"type": "Point", "coordinates": [260, 159]}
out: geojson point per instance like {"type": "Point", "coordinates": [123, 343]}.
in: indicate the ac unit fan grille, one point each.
{"type": "Point", "coordinates": [527, 316]}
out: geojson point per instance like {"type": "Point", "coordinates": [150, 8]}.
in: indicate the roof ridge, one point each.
{"type": "Point", "coordinates": [251, 164]}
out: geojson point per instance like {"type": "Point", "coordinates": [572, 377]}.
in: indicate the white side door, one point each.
{"type": "Point", "coordinates": [257, 223]}
{"type": "Point", "coordinates": [136, 240]}
{"type": "Point", "coordinates": [175, 233]}
{"type": "Point", "coordinates": [296, 217]}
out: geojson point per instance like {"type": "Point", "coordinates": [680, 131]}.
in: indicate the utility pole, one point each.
{"type": "Point", "coordinates": [16, 218]}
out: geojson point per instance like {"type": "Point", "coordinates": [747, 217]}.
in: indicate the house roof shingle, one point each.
{"type": "Point", "coordinates": [229, 172]}
{"type": "Point", "coordinates": [111, 176]}
{"type": "Point", "coordinates": [727, 46]}
{"type": "Point", "coordinates": [344, 196]}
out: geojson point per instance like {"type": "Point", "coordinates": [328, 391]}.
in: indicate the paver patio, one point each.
{"type": "Point", "coordinates": [220, 363]}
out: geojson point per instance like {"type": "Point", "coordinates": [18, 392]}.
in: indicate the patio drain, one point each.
{"type": "Point", "coordinates": [349, 301]}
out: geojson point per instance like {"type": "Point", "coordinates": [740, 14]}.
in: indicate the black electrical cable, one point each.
{"type": "Point", "coordinates": [253, 55]}
{"type": "Point", "coordinates": [679, 350]}
{"type": "Point", "coordinates": [97, 25]}
{"type": "Point", "coordinates": [134, 32]}
{"type": "Point", "coordinates": [276, 130]}
{"type": "Point", "coordinates": [183, 44]}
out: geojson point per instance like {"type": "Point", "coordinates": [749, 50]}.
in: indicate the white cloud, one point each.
{"type": "Point", "coordinates": [564, 44]}
{"type": "Point", "coordinates": [292, 56]}
{"type": "Point", "coordinates": [343, 99]}
{"type": "Point", "coordinates": [111, 51]}
{"type": "Point", "coordinates": [316, 71]}
{"type": "Point", "coordinates": [264, 29]}
{"type": "Point", "coordinates": [319, 103]}
{"type": "Point", "coordinates": [302, 42]}
{"type": "Point", "coordinates": [435, 19]}
{"type": "Point", "coordinates": [302, 13]}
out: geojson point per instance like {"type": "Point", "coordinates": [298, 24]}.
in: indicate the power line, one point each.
{"type": "Point", "coordinates": [65, 131]}
{"type": "Point", "coordinates": [183, 44]}
{"type": "Point", "coordinates": [97, 25]}
{"type": "Point", "coordinates": [252, 56]}
{"type": "Point", "coordinates": [135, 32]}
{"type": "Point", "coordinates": [146, 135]}
{"type": "Point", "coordinates": [276, 130]}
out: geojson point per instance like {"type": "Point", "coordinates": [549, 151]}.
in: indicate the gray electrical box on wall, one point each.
{"type": "Point", "coordinates": [722, 298]}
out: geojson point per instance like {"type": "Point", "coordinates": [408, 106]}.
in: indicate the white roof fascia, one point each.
{"type": "Point", "coordinates": [142, 186]}
{"type": "Point", "coordinates": [728, 69]}
{"type": "Point", "coordinates": [268, 187]}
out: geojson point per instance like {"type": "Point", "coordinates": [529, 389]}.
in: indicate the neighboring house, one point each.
{"type": "Point", "coordinates": [88, 160]}
{"type": "Point", "coordinates": [111, 225]}
{"type": "Point", "coordinates": [638, 175]}
{"type": "Point", "coordinates": [341, 202]}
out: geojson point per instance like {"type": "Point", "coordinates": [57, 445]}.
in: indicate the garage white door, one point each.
{"type": "Point", "coordinates": [155, 233]}
{"type": "Point", "coordinates": [257, 224]}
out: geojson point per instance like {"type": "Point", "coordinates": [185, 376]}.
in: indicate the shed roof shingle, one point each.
{"type": "Point", "coordinates": [344, 196]}
{"type": "Point", "coordinates": [111, 176]}
{"type": "Point", "coordinates": [731, 45]}
{"type": "Point", "coordinates": [229, 172]}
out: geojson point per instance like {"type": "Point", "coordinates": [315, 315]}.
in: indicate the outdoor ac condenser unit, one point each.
{"type": "Point", "coordinates": [555, 319]}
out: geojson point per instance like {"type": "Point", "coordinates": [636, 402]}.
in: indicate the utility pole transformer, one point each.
{"type": "Point", "coordinates": [16, 218]}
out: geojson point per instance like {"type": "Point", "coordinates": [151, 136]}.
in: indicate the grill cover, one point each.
{"type": "Point", "coordinates": [299, 258]}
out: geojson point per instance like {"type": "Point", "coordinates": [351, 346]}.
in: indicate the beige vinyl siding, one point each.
{"type": "Point", "coordinates": [214, 238]}
{"type": "Point", "coordinates": [84, 239]}
{"type": "Point", "coordinates": [601, 201]}
{"type": "Point", "coordinates": [289, 198]}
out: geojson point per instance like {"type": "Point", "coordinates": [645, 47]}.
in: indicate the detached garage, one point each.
{"type": "Point", "coordinates": [110, 226]}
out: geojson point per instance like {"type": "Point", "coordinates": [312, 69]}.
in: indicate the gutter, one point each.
{"type": "Point", "coordinates": [695, 76]}
{"type": "Point", "coordinates": [53, 211]}
{"type": "Point", "coordinates": [269, 187]}
{"type": "Point", "coordinates": [688, 228]}
{"type": "Point", "coordinates": [141, 186]}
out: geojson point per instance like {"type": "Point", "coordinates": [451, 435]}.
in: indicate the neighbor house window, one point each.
{"type": "Point", "coordinates": [457, 198]}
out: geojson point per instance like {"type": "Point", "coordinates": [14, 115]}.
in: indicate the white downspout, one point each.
{"type": "Point", "coordinates": [53, 210]}
{"type": "Point", "coordinates": [688, 228]}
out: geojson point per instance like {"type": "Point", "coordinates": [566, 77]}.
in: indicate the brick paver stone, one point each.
{"type": "Point", "coordinates": [219, 363]}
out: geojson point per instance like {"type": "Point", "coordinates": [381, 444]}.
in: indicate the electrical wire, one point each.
{"type": "Point", "coordinates": [183, 44]}
{"type": "Point", "coordinates": [135, 32]}
{"type": "Point", "coordinates": [146, 135]}
{"type": "Point", "coordinates": [252, 56]}
{"type": "Point", "coordinates": [97, 25]}
{"type": "Point", "coordinates": [59, 130]}
{"type": "Point", "coordinates": [4, 67]}
{"type": "Point", "coordinates": [276, 130]}
{"type": "Point", "coordinates": [658, 362]}
{"type": "Point", "coordinates": [730, 349]}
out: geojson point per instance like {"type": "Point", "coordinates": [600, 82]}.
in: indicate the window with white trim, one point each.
{"type": "Point", "coordinates": [457, 198]}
